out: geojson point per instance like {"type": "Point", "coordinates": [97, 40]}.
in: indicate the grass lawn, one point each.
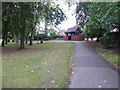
{"type": "Point", "coordinates": [39, 66]}
{"type": "Point", "coordinates": [0, 65]}
{"type": "Point", "coordinates": [0, 41]}
{"type": "Point", "coordinates": [109, 55]}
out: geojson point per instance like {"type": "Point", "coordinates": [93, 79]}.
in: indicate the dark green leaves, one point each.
{"type": "Point", "coordinates": [98, 16]}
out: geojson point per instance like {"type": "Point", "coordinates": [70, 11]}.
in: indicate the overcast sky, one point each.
{"type": "Point", "coordinates": [70, 13]}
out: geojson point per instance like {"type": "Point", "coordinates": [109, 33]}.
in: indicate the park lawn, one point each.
{"type": "Point", "coordinates": [39, 66]}
{"type": "Point", "coordinates": [0, 65]}
{"type": "Point", "coordinates": [109, 55]}
{"type": "Point", "coordinates": [0, 41]}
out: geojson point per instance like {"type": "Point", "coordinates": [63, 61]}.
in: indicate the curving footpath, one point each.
{"type": "Point", "coordinates": [90, 70]}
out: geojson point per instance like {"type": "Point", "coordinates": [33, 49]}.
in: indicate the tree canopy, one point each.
{"type": "Point", "coordinates": [98, 17]}
{"type": "Point", "coordinates": [20, 19]}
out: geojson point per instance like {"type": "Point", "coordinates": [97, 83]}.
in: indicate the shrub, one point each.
{"type": "Point", "coordinates": [105, 41]}
{"type": "Point", "coordinates": [110, 40]}
{"type": "Point", "coordinates": [13, 40]}
{"type": "Point", "coordinates": [45, 37]}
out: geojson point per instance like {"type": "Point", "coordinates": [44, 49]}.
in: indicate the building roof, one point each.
{"type": "Point", "coordinates": [72, 29]}
{"type": "Point", "coordinates": [62, 30]}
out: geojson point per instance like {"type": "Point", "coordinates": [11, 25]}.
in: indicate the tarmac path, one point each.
{"type": "Point", "coordinates": [90, 70]}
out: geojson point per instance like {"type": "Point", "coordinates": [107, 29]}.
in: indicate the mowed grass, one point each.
{"type": "Point", "coordinates": [0, 41]}
{"type": "Point", "coordinates": [109, 55]}
{"type": "Point", "coordinates": [0, 65]}
{"type": "Point", "coordinates": [39, 66]}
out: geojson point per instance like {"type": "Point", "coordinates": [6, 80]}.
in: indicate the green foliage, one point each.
{"type": "Point", "coordinates": [105, 40]}
{"type": "Point", "coordinates": [20, 18]}
{"type": "Point", "coordinates": [98, 18]}
{"type": "Point", "coordinates": [53, 37]}
{"type": "Point", "coordinates": [110, 39]}
{"type": "Point", "coordinates": [52, 31]}
{"type": "Point", "coordinates": [92, 32]}
{"type": "Point", "coordinates": [89, 31]}
{"type": "Point", "coordinates": [82, 14]}
{"type": "Point", "coordinates": [53, 15]}
{"type": "Point", "coordinates": [105, 14]}
{"type": "Point", "coordinates": [102, 14]}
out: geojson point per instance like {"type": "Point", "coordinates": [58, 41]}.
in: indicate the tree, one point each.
{"type": "Point", "coordinates": [53, 15]}
{"type": "Point", "coordinates": [89, 31]}
{"type": "Point", "coordinates": [18, 15]}
{"type": "Point", "coordinates": [82, 13]}
{"type": "Point", "coordinates": [34, 20]}
{"type": "Point", "coordinates": [102, 15]}
{"type": "Point", "coordinates": [6, 16]}
{"type": "Point", "coordinates": [20, 19]}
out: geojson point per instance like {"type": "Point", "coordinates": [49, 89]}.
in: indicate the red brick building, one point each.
{"type": "Point", "coordinates": [74, 34]}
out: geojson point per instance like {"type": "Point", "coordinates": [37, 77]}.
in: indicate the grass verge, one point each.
{"type": "Point", "coordinates": [109, 55]}
{"type": "Point", "coordinates": [39, 66]}
{"type": "Point", "coordinates": [0, 41]}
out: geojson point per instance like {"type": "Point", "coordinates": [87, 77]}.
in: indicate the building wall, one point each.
{"type": "Point", "coordinates": [75, 38]}
{"type": "Point", "coordinates": [65, 37]}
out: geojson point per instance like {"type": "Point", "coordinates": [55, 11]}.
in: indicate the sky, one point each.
{"type": "Point", "coordinates": [70, 13]}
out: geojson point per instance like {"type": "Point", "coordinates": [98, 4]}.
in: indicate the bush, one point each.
{"type": "Point", "coordinates": [45, 37]}
{"type": "Point", "coordinates": [105, 41]}
{"type": "Point", "coordinates": [54, 37]}
{"type": "Point", "coordinates": [110, 39]}
{"type": "Point", "coordinates": [13, 40]}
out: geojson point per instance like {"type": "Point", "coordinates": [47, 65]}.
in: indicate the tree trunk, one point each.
{"type": "Point", "coordinates": [27, 37]}
{"type": "Point", "coordinates": [87, 39]}
{"type": "Point", "coordinates": [22, 43]}
{"type": "Point", "coordinates": [17, 39]}
{"type": "Point", "coordinates": [3, 42]}
{"type": "Point", "coordinates": [46, 28]}
{"type": "Point", "coordinates": [31, 36]}
{"type": "Point", "coordinates": [6, 36]}
{"type": "Point", "coordinates": [91, 39]}
{"type": "Point", "coordinates": [37, 39]}
{"type": "Point", "coordinates": [26, 40]}
{"type": "Point", "coordinates": [31, 39]}
{"type": "Point", "coordinates": [6, 39]}
{"type": "Point", "coordinates": [4, 32]}
{"type": "Point", "coordinates": [22, 34]}
{"type": "Point", "coordinates": [97, 40]}
{"type": "Point", "coordinates": [41, 41]}
{"type": "Point", "coordinates": [3, 39]}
